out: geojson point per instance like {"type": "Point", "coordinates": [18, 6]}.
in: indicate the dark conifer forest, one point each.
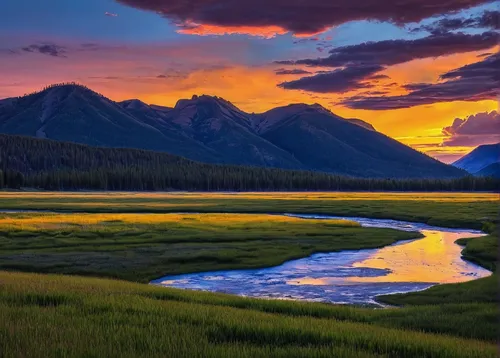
{"type": "Point", "coordinates": [31, 163]}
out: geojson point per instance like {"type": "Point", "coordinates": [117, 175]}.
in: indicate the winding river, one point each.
{"type": "Point", "coordinates": [350, 277]}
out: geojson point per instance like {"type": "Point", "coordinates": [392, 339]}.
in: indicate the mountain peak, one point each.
{"type": "Point", "coordinates": [305, 106]}
{"type": "Point", "coordinates": [194, 100]}
{"type": "Point", "coordinates": [134, 104]}
{"type": "Point", "coordinates": [67, 88]}
{"type": "Point", "coordinates": [209, 103]}
{"type": "Point", "coordinates": [205, 98]}
{"type": "Point", "coordinates": [479, 158]}
{"type": "Point", "coordinates": [297, 108]}
{"type": "Point", "coordinates": [266, 120]}
{"type": "Point", "coordinates": [58, 93]}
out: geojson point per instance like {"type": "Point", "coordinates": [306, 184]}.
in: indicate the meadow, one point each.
{"type": "Point", "coordinates": [137, 237]}
{"type": "Point", "coordinates": [470, 210]}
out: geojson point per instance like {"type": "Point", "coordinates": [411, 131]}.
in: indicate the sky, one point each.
{"type": "Point", "coordinates": [423, 72]}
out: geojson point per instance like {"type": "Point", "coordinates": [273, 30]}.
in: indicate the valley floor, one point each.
{"type": "Point", "coordinates": [49, 314]}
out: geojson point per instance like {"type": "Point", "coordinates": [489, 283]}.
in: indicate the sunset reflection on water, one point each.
{"type": "Point", "coordinates": [435, 258]}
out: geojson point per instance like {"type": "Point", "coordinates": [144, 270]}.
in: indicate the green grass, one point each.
{"type": "Point", "coordinates": [483, 252]}
{"type": "Point", "coordinates": [484, 290]}
{"type": "Point", "coordinates": [48, 315]}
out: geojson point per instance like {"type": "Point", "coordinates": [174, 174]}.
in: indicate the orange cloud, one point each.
{"type": "Point", "coordinates": [205, 30]}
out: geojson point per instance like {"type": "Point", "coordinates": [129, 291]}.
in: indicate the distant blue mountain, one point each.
{"type": "Point", "coordinates": [492, 170]}
{"type": "Point", "coordinates": [479, 158]}
{"type": "Point", "coordinates": [211, 129]}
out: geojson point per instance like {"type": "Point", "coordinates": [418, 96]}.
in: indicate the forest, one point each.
{"type": "Point", "coordinates": [32, 163]}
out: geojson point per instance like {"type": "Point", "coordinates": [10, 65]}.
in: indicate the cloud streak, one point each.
{"type": "Point", "coordinates": [315, 16]}
{"type": "Point", "coordinates": [392, 52]}
{"type": "Point", "coordinates": [338, 81]}
{"type": "Point", "coordinates": [474, 82]}
{"type": "Point", "coordinates": [46, 49]}
{"type": "Point", "coordinates": [294, 71]}
{"type": "Point", "coordinates": [359, 66]}
{"type": "Point", "coordinates": [488, 19]}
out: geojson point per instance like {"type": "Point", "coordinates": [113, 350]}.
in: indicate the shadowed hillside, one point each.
{"type": "Point", "coordinates": [479, 159]}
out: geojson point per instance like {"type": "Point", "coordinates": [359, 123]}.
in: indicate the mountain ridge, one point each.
{"type": "Point", "coordinates": [479, 158]}
{"type": "Point", "coordinates": [213, 130]}
{"type": "Point", "coordinates": [492, 170]}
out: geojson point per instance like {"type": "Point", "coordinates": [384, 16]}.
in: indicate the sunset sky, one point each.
{"type": "Point", "coordinates": [425, 72]}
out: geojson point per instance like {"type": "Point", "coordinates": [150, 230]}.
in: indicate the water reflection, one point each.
{"type": "Point", "coordinates": [350, 276]}
{"type": "Point", "coordinates": [435, 258]}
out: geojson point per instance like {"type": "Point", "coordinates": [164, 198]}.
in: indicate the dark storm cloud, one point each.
{"type": "Point", "coordinates": [392, 52]}
{"type": "Point", "coordinates": [46, 49]}
{"type": "Point", "coordinates": [474, 130]}
{"type": "Point", "coordinates": [294, 71]}
{"type": "Point", "coordinates": [297, 16]}
{"type": "Point", "coordinates": [474, 82]}
{"type": "Point", "coordinates": [338, 81]}
{"type": "Point", "coordinates": [488, 19]}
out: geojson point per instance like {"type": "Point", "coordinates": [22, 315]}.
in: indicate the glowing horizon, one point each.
{"type": "Point", "coordinates": [408, 80]}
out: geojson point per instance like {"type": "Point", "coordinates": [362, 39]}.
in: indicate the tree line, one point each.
{"type": "Point", "coordinates": [27, 162]}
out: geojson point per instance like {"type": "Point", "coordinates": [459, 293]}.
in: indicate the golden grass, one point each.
{"type": "Point", "coordinates": [449, 197]}
{"type": "Point", "coordinates": [87, 221]}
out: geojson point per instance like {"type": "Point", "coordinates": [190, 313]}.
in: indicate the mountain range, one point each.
{"type": "Point", "coordinates": [483, 161]}
{"type": "Point", "coordinates": [211, 129]}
